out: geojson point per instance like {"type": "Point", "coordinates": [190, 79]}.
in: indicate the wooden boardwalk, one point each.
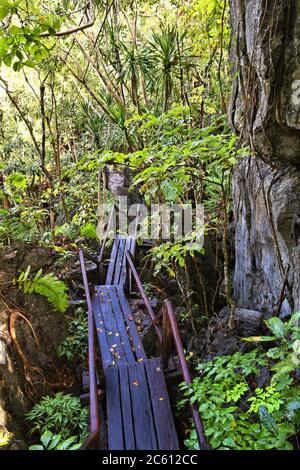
{"type": "Point", "coordinates": [138, 409]}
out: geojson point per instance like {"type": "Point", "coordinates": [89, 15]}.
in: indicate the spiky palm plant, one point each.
{"type": "Point", "coordinates": [166, 49]}
{"type": "Point", "coordinates": [93, 122]}
{"type": "Point", "coordinates": [137, 64]}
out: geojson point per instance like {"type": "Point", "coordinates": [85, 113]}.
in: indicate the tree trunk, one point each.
{"type": "Point", "coordinates": [265, 112]}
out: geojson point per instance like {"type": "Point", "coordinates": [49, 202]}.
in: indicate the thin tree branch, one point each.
{"type": "Point", "coordinates": [73, 30]}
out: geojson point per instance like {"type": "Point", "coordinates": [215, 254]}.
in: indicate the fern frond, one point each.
{"type": "Point", "coordinates": [49, 286]}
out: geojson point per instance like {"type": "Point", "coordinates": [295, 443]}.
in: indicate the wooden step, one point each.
{"type": "Point", "coordinates": [139, 414]}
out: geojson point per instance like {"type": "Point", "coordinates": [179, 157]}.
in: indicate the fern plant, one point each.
{"type": "Point", "coordinates": [48, 286]}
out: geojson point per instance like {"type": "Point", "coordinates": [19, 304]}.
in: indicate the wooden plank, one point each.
{"type": "Point", "coordinates": [120, 322]}
{"type": "Point", "coordinates": [129, 274]}
{"type": "Point", "coordinates": [114, 412]}
{"type": "Point", "coordinates": [111, 327]}
{"type": "Point", "coordinates": [132, 328]}
{"type": "Point", "coordinates": [130, 246]}
{"type": "Point", "coordinates": [144, 427]}
{"type": "Point", "coordinates": [133, 245]}
{"type": "Point", "coordinates": [126, 406]}
{"type": "Point", "coordinates": [119, 261]}
{"type": "Point", "coordinates": [101, 332]}
{"type": "Point", "coordinates": [164, 422]}
{"type": "Point", "coordinates": [112, 263]}
{"type": "Point", "coordinates": [122, 277]}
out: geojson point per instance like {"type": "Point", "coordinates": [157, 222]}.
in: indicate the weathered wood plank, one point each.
{"type": "Point", "coordinates": [111, 328]}
{"type": "Point", "coordinates": [163, 417]}
{"type": "Point", "coordinates": [127, 411]}
{"type": "Point", "coordinates": [142, 412]}
{"type": "Point", "coordinates": [119, 261]}
{"type": "Point", "coordinates": [120, 322]}
{"type": "Point", "coordinates": [101, 332]}
{"type": "Point", "coordinates": [122, 277]}
{"type": "Point", "coordinates": [131, 326]}
{"type": "Point", "coordinates": [112, 263]}
{"type": "Point", "coordinates": [114, 412]}
{"type": "Point", "coordinates": [139, 419]}
{"type": "Point", "coordinates": [133, 245]}
{"type": "Point", "coordinates": [130, 246]}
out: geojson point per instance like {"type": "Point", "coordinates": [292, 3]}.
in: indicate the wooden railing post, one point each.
{"type": "Point", "coordinates": [143, 294]}
{"type": "Point", "coordinates": [92, 440]}
{"type": "Point", "coordinates": [167, 338]}
{"type": "Point", "coordinates": [127, 285]}
{"type": "Point", "coordinates": [186, 374]}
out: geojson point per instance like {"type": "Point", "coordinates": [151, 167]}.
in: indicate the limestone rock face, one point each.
{"type": "Point", "coordinates": [267, 236]}
{"type": "Point", "coordinates": [265, 60]}
{"type": "Point", "coordinates": [265, 112]}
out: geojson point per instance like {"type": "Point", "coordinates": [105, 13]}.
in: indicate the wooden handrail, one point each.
{"type": "Point", "coordinates": [91, 441]}
{"type": "Point", "coordinates": [143, 294]}
{"type": "Point", "coordinates": [169, 315]}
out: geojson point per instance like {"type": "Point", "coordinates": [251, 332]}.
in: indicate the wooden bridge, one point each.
{"type": "Point", "coordinates": [138, 410]}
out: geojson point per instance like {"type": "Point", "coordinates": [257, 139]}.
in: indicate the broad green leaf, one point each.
{"type": "Point", "coordinates": [3, 12]}
{"type": "Point", "coordinates": [36, 447]}
{"type": "Point", "coordinates": [75, 447]}
{"type": "Point", "coordinates": [267, 420]}
{"type": "Point", "coordinates": [228, 442]}
{"type": "Point", "coordinates": [29, 63]}
{"type": "Point", "coordinates": [259, 339]}
{"type": "Point", "coordinates": [67, 443]}
{"type": "Point", "coordinates": [38, 56]}
{"type": "Point", "coordinates": [294, 319]}
{"type": "Point", "coordinates": [16, 179]}
{"type": "Point", "coordinates": [54, 442]}
{"type": "Point", "coordinates": [17, 66]}
{"type": "Point", "coordinates": [15, 30]}
{"type": "Point", "coordinates": [7, 60]}
{"type": "Point", "coordinates": [276, 326]}
{"type": "Point", "coordinates": [46, 438]}
{"type": "Point", "coordinates": [275, 353]}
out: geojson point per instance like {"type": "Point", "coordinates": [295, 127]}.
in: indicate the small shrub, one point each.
{"type": "Point", "coordinates": [61, 414]}
{"type": "Point", "coordinates": [236, 413]}
{"type": "Point", "coordinates": [75, 346]}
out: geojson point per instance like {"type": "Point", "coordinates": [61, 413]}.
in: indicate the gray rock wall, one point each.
{"type": "Point", "coordinates": [265, 61]}
{"type": "Point", "coordinates": [267, 237]}
{"type": "Point", "coordinates": [265, 112]}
